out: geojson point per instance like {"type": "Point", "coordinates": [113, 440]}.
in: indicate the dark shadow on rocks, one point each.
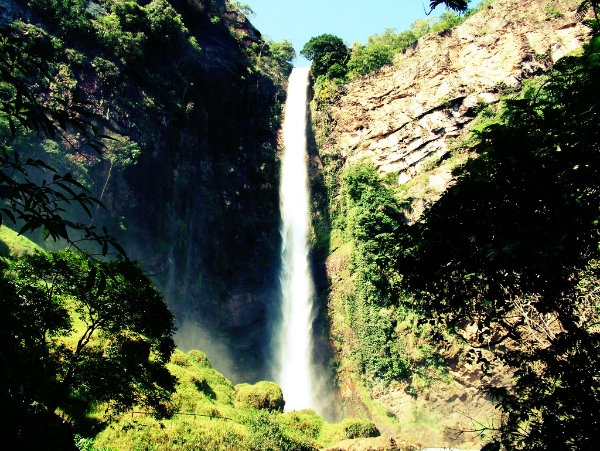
{"type": "Point", "coordinates": [325, 391]}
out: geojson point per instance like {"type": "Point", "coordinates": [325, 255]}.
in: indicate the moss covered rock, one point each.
{"type": "Point", "coordinates": [262, 395]}
{"type": "Point", "coordinates": [349, 428]}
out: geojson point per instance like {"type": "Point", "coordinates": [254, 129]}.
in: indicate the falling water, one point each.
{"type": "Point", "coordinates": [296, 281]}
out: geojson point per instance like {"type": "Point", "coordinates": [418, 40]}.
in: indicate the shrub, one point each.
{"type": "Point", "coordinates": [306, 422]}
{"type": "Point", "coordinates": [200, 358]}
{"type": "Point", "coordinates": [349, 428]}
{"type": "Point", "coordinates": [262, 395]}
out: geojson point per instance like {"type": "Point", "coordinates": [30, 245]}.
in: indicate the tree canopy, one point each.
{"type": "Point", "coordinates": [84, 333]}
{"type": "Point", "coordinates": [458, 5]}
{"type": "Point", "coordinates": [326, 51]}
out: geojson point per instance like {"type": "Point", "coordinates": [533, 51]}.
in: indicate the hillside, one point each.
{"type": "Point", "coordinates": [411, 111]}
{"type": "Point", "coordinates": [455, 199]}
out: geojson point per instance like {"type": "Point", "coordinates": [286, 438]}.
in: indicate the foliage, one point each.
{"type": "Point", "coordinates": [269, 434]}
{"type": "Point", "coordinates": [283, 53]}
{"type": "Point", "coordinates": [243, 8]}
{"type": "Point", "coordinates": [69, 16]}
{"type": "Point", "coordinates": [33, 193]}
{"type": "Point", "coordinates": [370, 215]}
{"type": "Point", "coordinates": [326, 91]}
{"type": "Point", "coordinates": [206, 416]}
{"type": "Point", "coordinates": [389, 343]}
{"type": "Point", "coordinates": [353, 428]}
{"type": "Point", "coordinates": [507, 248]}
{"type": "Point", "coordinates": [85, 332]}
{"type": "Point", "coordinates": [275, 59]}
{"type": "Point", "coordinates": [381, 48]}
{"type": "Point", "coordinates": [459, 5]}
{"type": "Point", "coordinates": [325, 51]}
{"type": "Point", "coordinates": [262, 395]}
{"type": "Point", "coordinates": [142, 74]}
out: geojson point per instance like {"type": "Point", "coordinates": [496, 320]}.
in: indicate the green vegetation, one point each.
{"type": "Point", "coordinates": [380, 49]}
{"type": "Point", "coordinates": [88, 336]}
{"type": "Point", "coordinates": [182, 111]}
{"type": "Point", "coordinates": [207, 414]}
{"type": "Point", "coordinates": [378, 331]}
{"type": "Point", "coordinates": [14, 245]}
{"type": "Point", "coordinates": [87, 339]}
{"type": "Point", "coordinates": [510, 250]}
{"type": "Point", "coordinates": [389, 343]}
{"type": "Point", "coordinates": [334, 65]}
{"type": "Point", "coordinates": [524, 260]}
{"type": "Point", "coordinates": [328, 54]}
{"type": "Point", "coordinates": [33, 192]}
{"type": "Point", "coordinates": [262, 395]}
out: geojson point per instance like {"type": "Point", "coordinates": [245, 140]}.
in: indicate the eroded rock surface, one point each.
{"type": "Point", "coordinates": [401, 117]}
{"type": "Point", "coordinates": [407, 112]}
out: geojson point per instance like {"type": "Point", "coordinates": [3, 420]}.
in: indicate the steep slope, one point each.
{"type": "Point", "coordinates": [407, 121]}
{"type": "Point", "coordinates": [404, 113]}
{"type": "Point", "coordinates": [189, 180]}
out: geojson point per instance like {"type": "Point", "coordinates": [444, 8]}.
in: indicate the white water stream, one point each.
{"type": "Point", "coordinates": [294, 341]}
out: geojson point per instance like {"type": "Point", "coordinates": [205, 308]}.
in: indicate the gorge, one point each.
{"type": "Point", "coordinates": [409, 250]}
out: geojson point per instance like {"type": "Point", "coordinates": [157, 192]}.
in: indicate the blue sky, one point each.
{"type": "Point", "coordinates": [351, 20]}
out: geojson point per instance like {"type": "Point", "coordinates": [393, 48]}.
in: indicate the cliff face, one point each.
{"type": "Point", "coordinates": [404, 113]}
{"type": "Point", "coordinates": [190, 180]}
{"type": "Point", "coordinates": [406, 118]}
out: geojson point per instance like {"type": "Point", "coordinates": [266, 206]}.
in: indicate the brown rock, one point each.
{"type": "Point", "coordinates": [373, 444]}
{"type": "Point", "coordinates": [405, 113]}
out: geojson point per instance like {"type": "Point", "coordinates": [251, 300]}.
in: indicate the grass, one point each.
{"type": "Point", "coordinates": [14, 245]}
{"type": "Point", "coordinates": [207, 415]}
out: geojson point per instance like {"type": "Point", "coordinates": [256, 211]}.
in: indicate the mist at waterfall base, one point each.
{"type": "Point", "coordinates": [295, 370]}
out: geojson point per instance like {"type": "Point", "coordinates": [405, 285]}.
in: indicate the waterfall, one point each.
{"type": "Point", "coordinates": [294, 341]}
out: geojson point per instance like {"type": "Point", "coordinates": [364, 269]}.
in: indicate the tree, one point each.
{"type": "Point", "coordinates": [457, 5]}
{"type": "Point", "coordinates": [325, 51]}
{"type": "Point", "coordinates": [512, 247]}
{"type": "Point", "coordinates": [84, 332]}
{"type": "Point", "coordinates": [282, 53]}
{"type": "Point", "coordinates": [35, 195]}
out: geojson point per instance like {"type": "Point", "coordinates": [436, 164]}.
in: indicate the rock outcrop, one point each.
{"type": "Point", "coordinates": [409, 111]}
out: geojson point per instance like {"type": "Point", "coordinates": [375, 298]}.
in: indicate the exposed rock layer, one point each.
{"type": "Point", "coordinates": [407, 112]}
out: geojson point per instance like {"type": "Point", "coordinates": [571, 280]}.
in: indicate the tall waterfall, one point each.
{"type": "Point", "coordinates": [294, 344]}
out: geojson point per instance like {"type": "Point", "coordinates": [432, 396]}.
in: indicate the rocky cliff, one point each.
{"type": "Point", "coordinates": [189, 180]}
{"type": "Point", "coordinates": [409, 111]}
{"type": "Point", "coordinates": [406, 119]}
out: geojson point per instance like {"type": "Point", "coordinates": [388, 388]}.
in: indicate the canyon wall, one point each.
{"type": "Point", "coordinates": [189, 181]}
{"type": "Point", "coordinates": [408, 119]}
